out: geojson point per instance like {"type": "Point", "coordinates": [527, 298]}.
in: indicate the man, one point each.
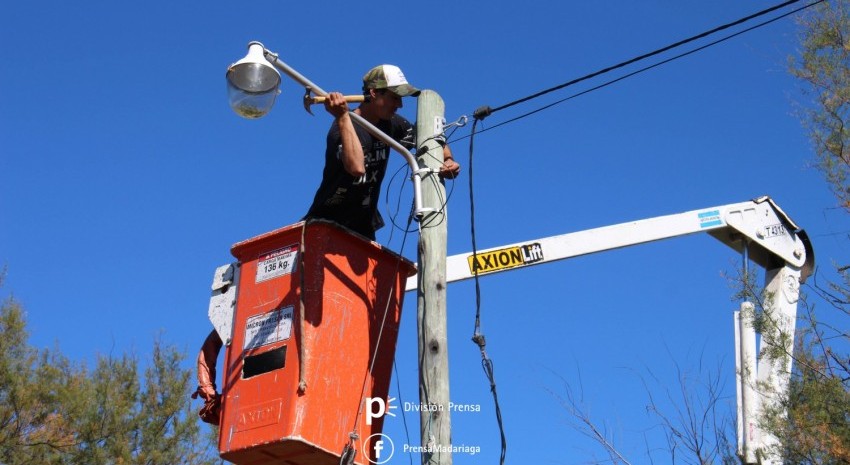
{"type": "Point", "coordinates": [356, 161]}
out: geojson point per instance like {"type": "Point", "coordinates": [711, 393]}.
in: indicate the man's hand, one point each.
{"type": "Point", "coordinates": [336, 105]}
{"type": "Point", "coordinates": [450, 168]}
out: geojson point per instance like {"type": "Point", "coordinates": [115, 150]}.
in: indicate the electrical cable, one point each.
{"type": "Point", "coordinates": [477, 336]}
{"type": "Point", "coordinates": [394, 215]}
{"type": "Point", "coordinates": [451, 190]}
{"type": "Point", "coordinates": [403, 414]}
{"type": "Point", "coordinates": [438, 217]}
{"type": "Point", "coordinates": [302, 310]}
{"type": "Point", "coordinates": [641, 70]}
{"type": "Point", "coordinates": [443, 202]}
{"type": "Point", "coordinates": [486, 111]}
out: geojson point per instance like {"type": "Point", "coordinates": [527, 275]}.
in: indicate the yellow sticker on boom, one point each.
{"type": "Point", "coordinates": [501, 259]}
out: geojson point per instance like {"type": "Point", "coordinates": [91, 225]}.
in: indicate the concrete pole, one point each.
{"type": "Point", "coordinates": [435, 418]}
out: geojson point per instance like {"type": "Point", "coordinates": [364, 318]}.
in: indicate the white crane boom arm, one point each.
{"type": "Point", "coordinates": [760, 221]}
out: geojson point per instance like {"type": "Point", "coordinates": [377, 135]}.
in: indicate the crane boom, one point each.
{"type": "Point", "coordinates": [769, 232]}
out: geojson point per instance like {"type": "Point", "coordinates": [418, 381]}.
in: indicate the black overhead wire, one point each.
{"type": "Point", "coordinates": [646, 68]}
{"type": "Point", "coordinates": [486, 111]}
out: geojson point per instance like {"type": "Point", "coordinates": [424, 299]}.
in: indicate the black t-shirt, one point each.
{"type": "Point", "coordinates": [346, 200]}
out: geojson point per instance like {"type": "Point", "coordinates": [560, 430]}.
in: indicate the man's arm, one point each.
{"type": "Point", "coordinates": [351, 156]}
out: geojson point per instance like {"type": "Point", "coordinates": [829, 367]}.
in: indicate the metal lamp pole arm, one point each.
{"type": "Point", "coordinates": [419, 210]}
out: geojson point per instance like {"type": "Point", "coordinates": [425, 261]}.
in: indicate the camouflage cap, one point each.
{"type": "Point", "coordinates": [388, 77]}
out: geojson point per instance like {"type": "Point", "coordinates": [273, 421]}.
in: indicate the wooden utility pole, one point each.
{"type": "Point", "coordinates": [435, 418]}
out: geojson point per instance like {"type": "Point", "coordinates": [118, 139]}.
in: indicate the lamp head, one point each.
{"type": "Point", "coordinates": [252, 83]}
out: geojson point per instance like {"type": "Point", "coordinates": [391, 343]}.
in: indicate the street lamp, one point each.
{"type": "Point", "coordinates": [253, 84]}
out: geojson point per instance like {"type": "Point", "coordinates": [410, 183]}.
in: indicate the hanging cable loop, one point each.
{"type": "Point", "coordinates": [477, 336]}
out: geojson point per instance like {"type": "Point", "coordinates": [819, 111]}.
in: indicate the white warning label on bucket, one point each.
{"type": "Point", "coordinates": [277, 263]}
{"type": "Point", "coordinates": [268, 328]}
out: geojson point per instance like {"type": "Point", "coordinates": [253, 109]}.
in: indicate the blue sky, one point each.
{"type": "Point", "coordinates": [125, 178]}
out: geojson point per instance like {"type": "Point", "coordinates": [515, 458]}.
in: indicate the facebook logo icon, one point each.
{"type": "Point", "coordinates": [382, 448]}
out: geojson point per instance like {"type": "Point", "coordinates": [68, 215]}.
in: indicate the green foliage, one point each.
{"type": "Point", "coordinates": [55, 412]}
{"type": "Point", "coordinates": [816, 429]}
{"type": "Point", "coordinates": [824, 68]}
{"type": "Point", "coordinates": [818, 426]}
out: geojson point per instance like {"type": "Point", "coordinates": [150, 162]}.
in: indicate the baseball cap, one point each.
{"type": "Point", "coordinates": [389, 77]}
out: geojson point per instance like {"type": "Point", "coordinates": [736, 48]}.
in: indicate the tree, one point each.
{"type": "Point", "coordinates": [818, 426]}
{"type": "Point", "coordinates": [53, 411]}
{"type": "Point", "coordinates": [817, 429]}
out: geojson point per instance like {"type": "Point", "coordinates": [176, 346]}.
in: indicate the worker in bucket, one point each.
{"type": "Point", "coordinates": [356, 161]}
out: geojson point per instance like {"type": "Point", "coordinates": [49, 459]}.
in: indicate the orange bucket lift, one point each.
{"type": "Point", "coordinates": [309, 317]}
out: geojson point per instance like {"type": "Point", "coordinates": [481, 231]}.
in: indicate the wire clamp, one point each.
{"type": "Point", "coordinates": [482, 112]}
{"type": "Point", "coordinates": [479, 339]}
